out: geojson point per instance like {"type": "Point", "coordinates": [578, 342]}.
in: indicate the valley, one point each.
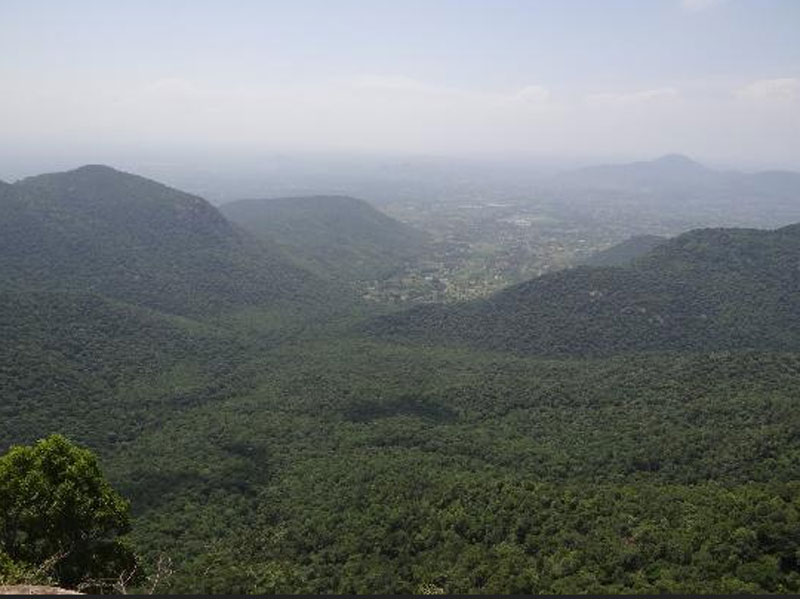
{"type": "Point", "coordinates": [324, 395]}
{"type": "Point", "coordinates": [463, 298]}
{"type": "Point", "coordinates": [484, 246]}
{"type": "Point", "coordinates": [487, 239]}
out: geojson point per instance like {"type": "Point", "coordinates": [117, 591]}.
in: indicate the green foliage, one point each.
{"type": "Point", "coordinates": [369, 468]}
{"type": "Point", "coordinates": [270, 447]}
{"type": "Point", "coordinates": [134, 240]}
{"type": "Point", "coordinates": [393, 530]}
{"type": "Point", "coordinates": [711, 289]}
{"type": "Point", "coordinates": [336, 236]}
{"type": "Point", "coordinates": [12, 572]}
{"type": "Point", "coordinates": [59, 513]}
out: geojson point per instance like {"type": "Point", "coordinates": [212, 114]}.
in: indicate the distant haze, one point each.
{"type": "Point", "coordinates": [563, 79]}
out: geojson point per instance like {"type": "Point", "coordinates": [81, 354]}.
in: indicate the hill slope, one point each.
{"type": "Point", "coordinates": [704, 290]}
{"type": "Point", "coordinates": [65, 356]}
{"type": "Point", "coordinates": [343, 465]}
{"type": "Point", "coordinates": [676, 172]}
{"type": "Point", "coordinates": [626, 252]}
{"type": "Point", "coordinates": [677, 186]}
{"type": "Point", "coordinates": [335, 235]}
{"type": "Point", "coordinates": [132, 239]}
{"type": "Point", "coordinates": [667, 171]}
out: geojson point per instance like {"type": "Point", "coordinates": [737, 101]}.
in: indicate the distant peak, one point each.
{"type": "Point", "coordinates": [90, 173]}
{"type": "Point", "coordinates": [96, 168]}
{"type": "Point", "coordinates": [676, 160]}
{"type": "Point", "coordinates": [90, 176]}
{"type": "Point", "coordinates": [793, 229]}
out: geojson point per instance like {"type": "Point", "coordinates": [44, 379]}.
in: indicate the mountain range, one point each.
{"type": "Point", "coordinates": [615, 429]}
{"type": "Point", "coordinates": [680, 188]}
{"type": "Point", "coordinates": [121, 236]}
{"type": "Point", "coordinates": [677, 172]}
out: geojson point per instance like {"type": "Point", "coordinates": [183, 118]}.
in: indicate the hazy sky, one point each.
{"type": "Point", "coordinates": [716, 79]}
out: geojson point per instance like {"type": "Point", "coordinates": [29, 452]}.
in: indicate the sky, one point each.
{"type": "Point", "coordinates": [718, 80]}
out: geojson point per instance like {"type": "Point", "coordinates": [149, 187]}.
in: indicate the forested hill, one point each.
{"type": "Point", "coordinates": [626, 252]}
{"type": "Point", "coordinates": [705, 290]}
{"type": "Point", "coordinates": [264, 453]}
{"type": "Point", "coordinates": [128, 238]}
{"type": "Point", "coordinates": [338, 236]}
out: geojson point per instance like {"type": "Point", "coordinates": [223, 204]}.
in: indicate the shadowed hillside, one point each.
{"type": "Point", "coordinates": [337, 236]}
{"type": "Point", "coordinates": [626, 252]}
{"type": "Point", "coordinates": [133, 239]}
{"type": "Point", "coordinates": [706, 289]}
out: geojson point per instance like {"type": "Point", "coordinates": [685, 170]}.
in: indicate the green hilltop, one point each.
{"type": "Point", "coordinates": [128, 238]}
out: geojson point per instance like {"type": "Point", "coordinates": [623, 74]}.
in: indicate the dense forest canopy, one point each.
{"type": "Point", "coordinates": [708, 289]}
{"type": "Point", "coordinates": [615, 429]}
{"type": "Point", "coordinates": [131, 239]}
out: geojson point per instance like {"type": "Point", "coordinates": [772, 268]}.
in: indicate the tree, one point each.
{"type": "Point", "coordinates": [60, 515]}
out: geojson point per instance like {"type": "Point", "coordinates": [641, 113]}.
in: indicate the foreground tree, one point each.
{"type": "Point", "coordinates": [60, 517]}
